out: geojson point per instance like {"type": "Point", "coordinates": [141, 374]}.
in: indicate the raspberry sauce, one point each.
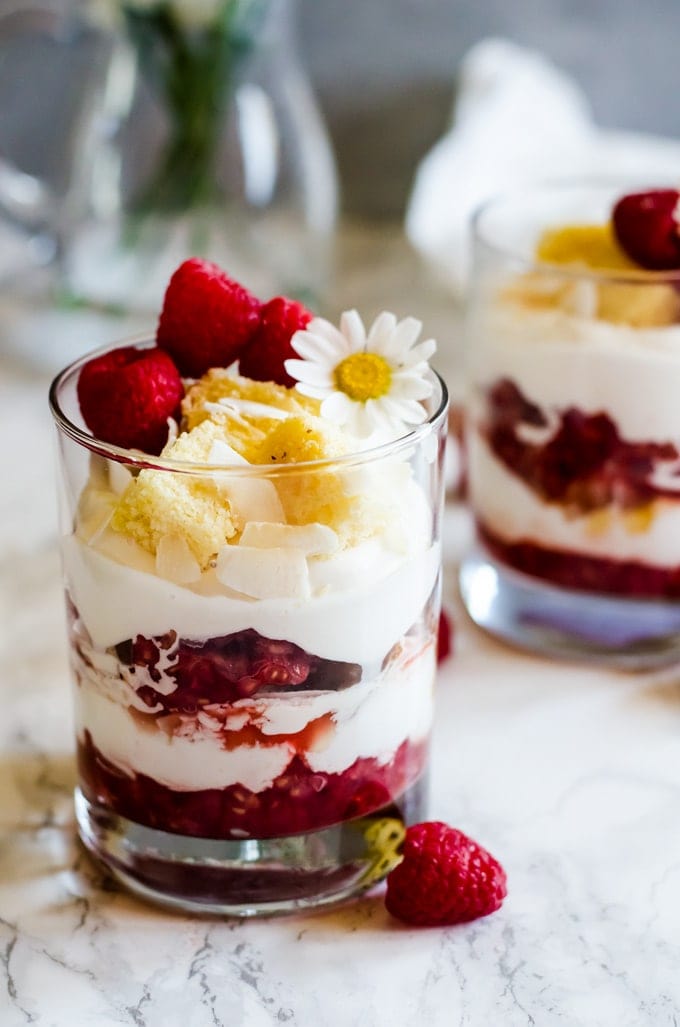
{"type": "Point", "coordinates": [298, 800]}
{"type": "Point", "coordinates": [586, 573]}
{"type": "Point", "coordinates": [584, 464]}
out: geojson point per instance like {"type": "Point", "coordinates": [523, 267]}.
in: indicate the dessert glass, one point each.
{"type": "Point", "coordinates": [252, 738]}
{"type": "Point", "coordinates": [573, 434]}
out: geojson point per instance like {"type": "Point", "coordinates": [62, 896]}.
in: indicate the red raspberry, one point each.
{"type": "Point", "coordinates": [263, 357]}
{"type": "Point", "coordinates": [444, 878]}
{"type": "Point", "coordinates": [646, 226]}
{"type": "Point", "coordinates": [207, 318]}
{"type": "Point", "coordinates": [444, 637]}
{"type": "Point", "coordinates": [127, 395]}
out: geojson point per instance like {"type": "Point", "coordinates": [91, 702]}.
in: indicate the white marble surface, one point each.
{"type": "Point", "coordinates": [571, 776]}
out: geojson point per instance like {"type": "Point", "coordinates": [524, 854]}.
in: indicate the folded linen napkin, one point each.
{"type": "Point", "coordinates": [517, 118]}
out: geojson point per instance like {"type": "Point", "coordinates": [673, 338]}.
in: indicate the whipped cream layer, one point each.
{"type": "Point", "coordinates": [558, 360]}
{"type": "Point", "coordinates": [371, 719]}
{"type": "Point", "coordinates": [378, 599]}
{"type": "Point", "coordinates": [514, 513]}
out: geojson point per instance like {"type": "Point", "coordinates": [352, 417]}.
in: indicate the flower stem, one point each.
{"type": "Point", "coordinates": [192, 71]}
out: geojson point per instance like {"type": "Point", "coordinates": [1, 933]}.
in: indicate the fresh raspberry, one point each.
{"type": "Point", "coordinates": [207, 318]}
{"type": "Point", "coordinates": [444, 878]}
{"type": "Point", "coordinates": [263, 357]}
{"type": "Point", "coordinates": [127, 395]}
{"type": "Point", "coordinates": [444, 637]}
{"type": "Point", "coordinates": [646, 226]}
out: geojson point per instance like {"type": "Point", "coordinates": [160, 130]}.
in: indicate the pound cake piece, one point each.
{"type": "Point", "coordinates": [220, 393]}
{"type": "Point", "coordinates": [625, 302]}
{"type": "Point", "coordinates": [209, 513]}
{"type": "Point", "coordinates": [157, 504]}
{"type": "Point", "coordinates": [326, 496]}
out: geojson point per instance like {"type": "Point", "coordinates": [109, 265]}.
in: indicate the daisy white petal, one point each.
{"type": "Point", "coordinates": [410, 387]}
{"type": "Point", "coordinates": [314, 392]}
{"type": "Point", "coordinates": [320, 326]}
{"type": "Point", "coordinates": [381, 333]}
{"type": "Point", "coordinates": [352, 424]}
{"type": "Point", "coordinates": [372, 414]}
{"type": "Point", "coordinates": [408, 410]}
{"type": "Point", "coordinates": [352, 327]}
{"type": "Point", "coordinates": [381, 419]}
{"type": "Point", "coordinates": [404, 336]}
{"type": "Point", "coordinates": [320, 348]}
{"type": "Point", "coordinates": [362, 420]}
{"type": "Point", "coordinates": [309, 373]}
{"type": "Point", "coordinates": [337, 408]}
{"type": "Point", "coordinates": [420, 354]}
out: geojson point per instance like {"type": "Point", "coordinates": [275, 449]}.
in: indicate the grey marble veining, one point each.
{"type": "Point", "coordinates": [570, 775]}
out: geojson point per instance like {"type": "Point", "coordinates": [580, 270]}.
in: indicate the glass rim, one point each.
{"type": "Point", "coordinates": [636, 276]}
{"type": "Point", "coordinates": [144, 461]}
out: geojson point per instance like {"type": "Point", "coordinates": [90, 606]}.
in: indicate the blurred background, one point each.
{"type": "Point", "coordinates": [385, 69]}
{"type": "Point", "coordinates": [377, 81]}
{"type": "Point", "coordinates": [384, 73]}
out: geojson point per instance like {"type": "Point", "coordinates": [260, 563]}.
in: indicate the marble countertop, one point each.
{"type": "Point", "coordinates": [570, 775]}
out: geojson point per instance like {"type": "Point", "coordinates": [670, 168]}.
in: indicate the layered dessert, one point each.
{"type": "Point", "coordinates": [253, 570]}
{"type": "Point", "coordinates": [574, 429]}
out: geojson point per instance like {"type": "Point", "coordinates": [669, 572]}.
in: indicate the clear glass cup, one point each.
{"type": "Point", "coordinates": [252, 737]}
{"type": "Point", "coordinates": [573, 439]}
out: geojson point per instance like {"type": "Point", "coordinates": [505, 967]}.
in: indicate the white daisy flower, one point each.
{"type": "Point", "coordinates": [371, 384]}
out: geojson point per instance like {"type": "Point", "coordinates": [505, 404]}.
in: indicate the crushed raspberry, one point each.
{"type": "Point", "coordinates": [279, 663]}
{"type": "Point", "coordinates": [646, 226]}
{"type": "Point", "coordinates": [570, 569]}
{"type": "Point", "coordinates": [264, 356]}
{"type": "Point", "coordinates": [366, 798]}
{"type": "Point", "coordinates": [444, 878]}
{"type": "Point", "coordinates": [444, 637]}
{"type": "Point", "coordinates": [207, 318]}
{"type": "Point", "coordinates": [233, 667]}
{"type": "Point", "coordinates": [127, 395]}
{"type": "Point", "coordinates": [585, 464]}
{"type": "Point", "coordinates": [299, 799]}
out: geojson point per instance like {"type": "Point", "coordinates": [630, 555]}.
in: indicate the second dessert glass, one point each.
{"type": "Point", "coordinates": [573, 433]}
{"type": "Point", "coordinates": [252, 729]}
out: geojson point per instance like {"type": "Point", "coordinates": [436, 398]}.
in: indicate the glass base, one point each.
{"type": "Point", "coordinates": [252, 877]}
{"type": "Point", "coordinates": [631, 634]}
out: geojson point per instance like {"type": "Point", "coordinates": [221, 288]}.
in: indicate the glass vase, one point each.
{"type": "Point", "coordinates": [207, 141]}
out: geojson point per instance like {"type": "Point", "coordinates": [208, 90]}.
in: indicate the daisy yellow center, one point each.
{"type": "Point", "coordinates": [363, 376]}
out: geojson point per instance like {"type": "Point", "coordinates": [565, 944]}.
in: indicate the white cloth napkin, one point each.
{"type": "Point", "coordinates": [517, 119]}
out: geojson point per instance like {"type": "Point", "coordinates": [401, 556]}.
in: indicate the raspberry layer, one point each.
{"type": "Point", "coordinates": [298, 800]}
{"type": "Point", "coordinates": [573, 570]}
{"type": "Point", "coordinates": [560, 494]}
{"type": "Point", "coordinates": [583, 462]}
{"type": "Point", "coordinates": [251, 734]}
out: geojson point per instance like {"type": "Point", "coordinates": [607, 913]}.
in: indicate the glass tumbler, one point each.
{"type": "Point", "coordinates": [573, 433]}
{"type": "Point", "coordinates": [252, 732]}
